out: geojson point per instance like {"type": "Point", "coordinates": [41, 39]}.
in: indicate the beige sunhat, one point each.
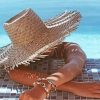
{"type": "Point", "coordinates": [31, 36]}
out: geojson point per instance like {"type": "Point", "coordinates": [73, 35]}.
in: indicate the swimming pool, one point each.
{"type": "Point", "coordinates": [87, 34]}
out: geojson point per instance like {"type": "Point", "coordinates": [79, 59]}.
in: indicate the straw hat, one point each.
{"type": "Point", "coordinates": [31, 36]}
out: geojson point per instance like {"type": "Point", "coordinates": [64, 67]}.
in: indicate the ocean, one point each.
{"type": "Point", "coordinates": [87, 34]}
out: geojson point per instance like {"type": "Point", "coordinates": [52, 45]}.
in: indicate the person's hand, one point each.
{"type": "Point", "coordinates": [86, 89]}
{"type": "Point", "coordinates": [36, 93]}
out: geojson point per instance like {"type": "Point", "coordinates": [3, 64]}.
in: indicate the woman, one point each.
{"type": "Point", "coordinates": [33, 39]}
{"type": "Point", "coordinates": [75, 59]}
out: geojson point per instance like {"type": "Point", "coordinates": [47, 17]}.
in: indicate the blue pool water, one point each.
{"type": "Point", "coordinates": [87, 34]}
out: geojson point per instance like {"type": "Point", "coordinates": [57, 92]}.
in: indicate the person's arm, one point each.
{"type": "Point", "coordinates": [75, 59]}
{"type": "Point", "coordinates": [25, 75]}
{"type": "Point", "coordinates": [74, 64]}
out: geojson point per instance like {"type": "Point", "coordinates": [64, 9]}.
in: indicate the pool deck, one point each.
{"type": "Point", "coordinates": [10, 90]}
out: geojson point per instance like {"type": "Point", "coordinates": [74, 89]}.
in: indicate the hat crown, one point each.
{"type": "Point", "coordinates": [24, 27]}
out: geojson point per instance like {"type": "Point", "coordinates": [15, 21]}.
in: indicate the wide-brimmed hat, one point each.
{"type": "Point", "coordinates": [31, 37]}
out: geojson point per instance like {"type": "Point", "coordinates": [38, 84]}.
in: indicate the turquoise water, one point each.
{"type": "Point", "coordinates": [87, 34]}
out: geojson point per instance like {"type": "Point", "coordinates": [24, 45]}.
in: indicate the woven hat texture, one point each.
{"type": "Point", "coordinates": [31, 36]}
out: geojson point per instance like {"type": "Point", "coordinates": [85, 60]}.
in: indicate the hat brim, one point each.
{"type": "Point", "coordinates": [23, 57]}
